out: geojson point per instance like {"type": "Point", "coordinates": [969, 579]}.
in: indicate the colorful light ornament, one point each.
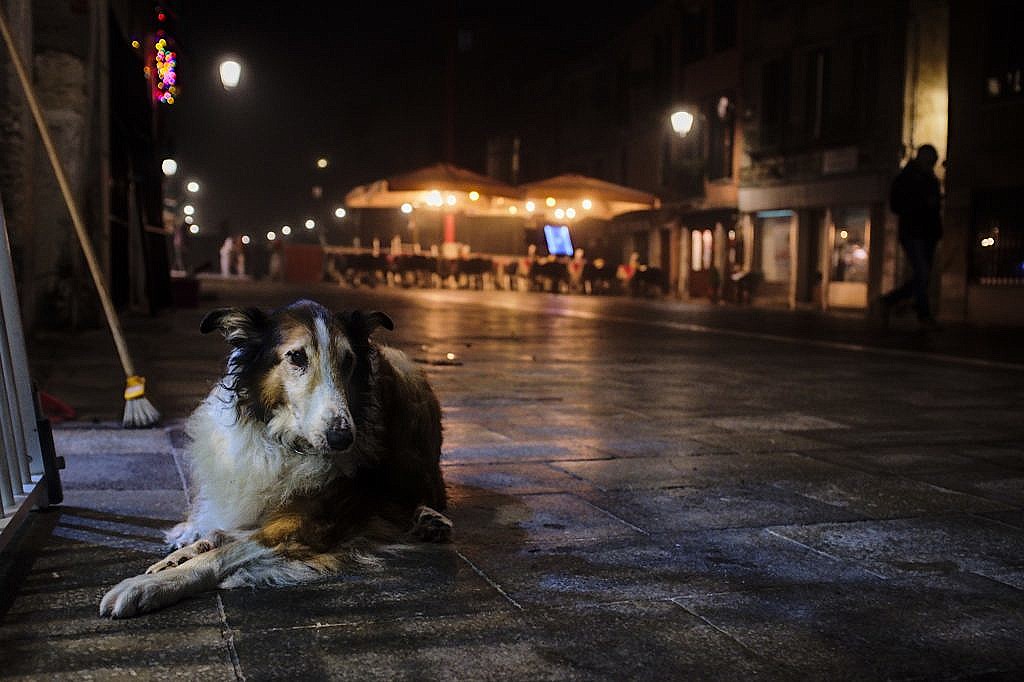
{"type": "Point", "coordinates": [166, 76]}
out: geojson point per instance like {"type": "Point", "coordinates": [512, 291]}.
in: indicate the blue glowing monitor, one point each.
{"type": "Point", "coordinates": [559, 243]}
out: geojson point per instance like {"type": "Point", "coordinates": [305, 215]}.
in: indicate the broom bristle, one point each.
{"type": "Point", "coordinates": [139, 413]}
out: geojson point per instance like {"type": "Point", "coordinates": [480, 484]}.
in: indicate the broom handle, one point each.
{"type": "Point", "coordinates": [69, 199]}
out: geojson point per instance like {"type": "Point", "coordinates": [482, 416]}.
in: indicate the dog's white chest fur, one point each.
{"type": "Point", "coordinates": [238, 472]}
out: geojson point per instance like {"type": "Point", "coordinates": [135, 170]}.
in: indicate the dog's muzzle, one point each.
{"type": "Point", "coordinates": [340, 437]}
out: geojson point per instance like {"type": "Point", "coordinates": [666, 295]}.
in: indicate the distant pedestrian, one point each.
{"type": "Point", "coordinates": [276, 249]}
{"type": "Point", "coordinates": [239, 256]}
{"type": "Point", "coordinates": [915, 198]}
{"type": "Point", "coordinates": [227, 254]}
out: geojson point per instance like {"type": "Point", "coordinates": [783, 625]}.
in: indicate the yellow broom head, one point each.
{"type": "Point", "coordinates": [139, 413]}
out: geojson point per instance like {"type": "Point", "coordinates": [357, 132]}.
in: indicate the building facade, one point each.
{"type": "Point", "coordinates": [982, 252]}
{"type": "Point", "coordinates": [824, 92]}
{"type": "Point", "coordinates": [803, 111]}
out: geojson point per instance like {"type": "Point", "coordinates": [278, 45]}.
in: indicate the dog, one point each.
{"type": "Point", "coordinates": [318, 449]}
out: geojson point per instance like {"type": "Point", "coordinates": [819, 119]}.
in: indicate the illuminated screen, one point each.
{"type": "Point", "coordinates": [559, 243]}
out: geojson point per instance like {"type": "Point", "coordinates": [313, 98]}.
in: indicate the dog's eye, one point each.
{"type": "Point", "coordinates": [298, 358]}
{"type": "Point", "coordinates": [346, 362]}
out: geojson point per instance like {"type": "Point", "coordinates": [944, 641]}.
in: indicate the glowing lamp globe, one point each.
{"type": "Point", "coordinates": [230, 73]}
{"type": "Point", "coordinates": [682, 122]}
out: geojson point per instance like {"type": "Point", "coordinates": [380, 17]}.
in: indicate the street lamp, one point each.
{"type": "Point", "coordinates": [188, 209]}
{"type": "Point", "coordinates": [682, 122]}
{"type": "Point", "coordinates": [310, 224]}
{"type": "Point", "coordinates": [339, 213]}
{"type": "Point", "coordinates": [192, 186]}
{"type": "Point", "coordinates": [321, 162]}
{"type": "Point", "coordinates": [286, 230]}
{"type": "Point", "coordinates": [230, 73]}
{"type": "Point", "coordinates": [169, 167]}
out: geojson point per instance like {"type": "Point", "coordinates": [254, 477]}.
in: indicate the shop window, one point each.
{"type": "Point", "coordinates": [997, 251]}
{"type": "Point", "coordinates": [849, 257]}
{"type": "Point", "coordinates": [776, 257]}
{"type": "Point", "coordinates": [1004, 50]}
{"type": "Point", "coordinates": [720, 139]}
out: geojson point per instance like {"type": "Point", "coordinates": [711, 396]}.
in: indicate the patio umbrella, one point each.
{"type": "Point", "coordinates": [580, 196]}
{"type": "Point", "coordinates": [440, 186]}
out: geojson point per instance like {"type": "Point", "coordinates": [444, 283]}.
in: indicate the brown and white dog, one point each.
{"type": "Point", "coordinates": [316, 447]}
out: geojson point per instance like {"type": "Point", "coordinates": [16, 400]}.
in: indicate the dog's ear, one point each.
{"type": "Point", "coordinates": [238, 325]}
{"type": "Point", "coordinates": [360, 325]}
{"type": "Point", "coordinates": [376, 319]}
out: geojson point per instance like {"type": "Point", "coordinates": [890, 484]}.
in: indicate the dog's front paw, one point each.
{"type": "Point", "coordinates": [431, 525]}
{"type": "Point", "coordinates": [128, 598]}
{"type": "Point", "coordinates": [140, 594]}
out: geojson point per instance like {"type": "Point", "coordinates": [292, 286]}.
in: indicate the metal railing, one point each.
{"type": "Point", "coordinates": [29, 474]}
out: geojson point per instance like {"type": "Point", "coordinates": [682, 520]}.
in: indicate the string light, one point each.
{"type": "Point", "coordinates": [166, 61]}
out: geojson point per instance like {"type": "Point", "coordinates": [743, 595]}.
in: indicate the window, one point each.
{"type": "Point", "coordinates": [723, 32]}
{"type": "Point", "coordinates": [817, 106]}
{"type": "Point", "coordinates": [997, 251]}
{"type": "Point", "coordinates": [865, 82]}
{"type": "Point", "coordinates": [693, 35]}
{"type": "Point", "coordinates": [1004, 50]}
{"type": "Point", "coordinates": [849, 258]}
{"type": "Point", "coordinates": [774, 100]}
{"type": "Point", "coordinates": [622, 85]}
{"type": "Point", "coordinates": [661, 70]}
{"type": "Point", "coordinates": [720, 138]}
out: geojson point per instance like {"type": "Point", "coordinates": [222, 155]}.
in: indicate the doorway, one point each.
{"type": "Point", "coordinates": [702, 250]}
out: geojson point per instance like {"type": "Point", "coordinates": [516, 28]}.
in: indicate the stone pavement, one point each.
{"type": "Point", "coordinates": [640, 490]}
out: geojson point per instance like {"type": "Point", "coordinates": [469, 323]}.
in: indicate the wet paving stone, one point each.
{"type": "Point", "coordinates": [1001, 486]}
{"type": "Point", "coordinates": [928, 629]}
{"type": "Point", "coordinates": [652, 640]}
{"type": "Point", "coordinates": [494, 645]}
{"type": "Point", "coordinates": [947, 545]}
{"type": "Point", "coordinates": [686, 564]}
{"type": "Point", "coordinates": [426, 581]}
{"type": "Point", "coordinates": [762, 441]}
{"type": "Point", "coordinates": [543, 519]}
{"type": "Point", "coordinates": [121, 471]}
{"type": "Point", "coordinates": [675, 510]}
{"type": "Point", "coordinates": [512, 479]}
{"type": "Point", "coordinates": [519, 452]}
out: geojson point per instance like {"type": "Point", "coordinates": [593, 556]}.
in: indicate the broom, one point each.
{"type": "Point", "coordinates": [138, 412]}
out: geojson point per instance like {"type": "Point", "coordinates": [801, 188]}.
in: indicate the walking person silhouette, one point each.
{"type": "Point", "coordinates": [915, 198]}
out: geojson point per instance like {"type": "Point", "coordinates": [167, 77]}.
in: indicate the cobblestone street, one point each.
{"type": "Point", "coordinates": [640, 490]}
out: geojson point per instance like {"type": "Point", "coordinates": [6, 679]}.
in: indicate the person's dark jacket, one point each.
{"type": "Point", "coordinates": [915, 197]}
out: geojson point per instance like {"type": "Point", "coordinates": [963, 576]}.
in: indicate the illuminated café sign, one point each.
{"type": "Point", "coordinates": [559, 242]}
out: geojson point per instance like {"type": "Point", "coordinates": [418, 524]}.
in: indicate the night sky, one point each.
{"type": "Point", "coordinates": [363, 85]}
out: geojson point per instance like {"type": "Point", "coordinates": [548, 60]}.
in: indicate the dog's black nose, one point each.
{"type": "Point", "coordinates": [340, 438]}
